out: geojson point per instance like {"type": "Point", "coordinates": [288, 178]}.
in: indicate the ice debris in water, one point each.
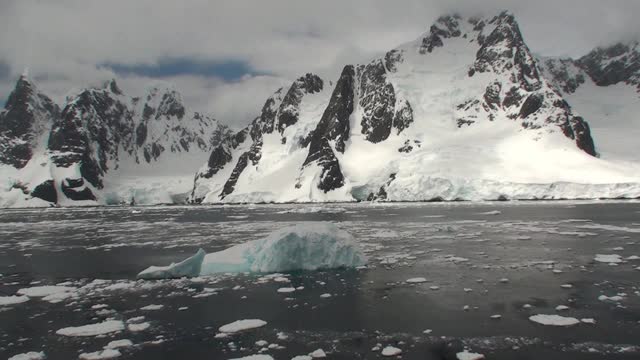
{"type": "Point", "coordinates": [242, 325]}
{"type": "Point", "coordinates": [31, 355]}
{"type": "Point", "coordinates": [310, 246]}
{"type": "Point", "coordinates": [554, 320]}
{"type": "Point", "coordinates": [466, 355]}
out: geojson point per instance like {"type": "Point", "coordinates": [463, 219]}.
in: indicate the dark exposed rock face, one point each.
{"type": "Point", "coordinates": [446, 27]}
{"type": "Point", "coordinates": [377, 97]}
{"type": "Point", "coordinates": [612, 65]}
{"type": "Point", "coordinates": [27, 115]}
{"type": "Point", "coordinates": [290, 107]}
{"type": "Point", "coordinates": [531, 105]}
{"type": "Point", "coordinates": [89, 132]}
{"type": "Point", "coordinates": [46, 191]}
{"type": "Point", "coordinates": [492, 95]}
{"type": "Point", "coordinates": [75, 189]}
{"type": "Point", "coordinates": [504, 49]}
{"type": "Point", "coordinates": [392, 59]}
{"type": "Point", "coordinates": [333, 126]}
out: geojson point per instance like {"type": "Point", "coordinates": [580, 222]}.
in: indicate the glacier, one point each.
{"type": "Point", "coordinates": [308, 246]}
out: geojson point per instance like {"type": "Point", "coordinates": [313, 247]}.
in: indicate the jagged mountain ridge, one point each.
{"type": "Point", "coordinates": [70, 152]}
{"type": "Point", "coordinates": [605, 83]}
{"type": "Point", "coordinates": [423, 103]}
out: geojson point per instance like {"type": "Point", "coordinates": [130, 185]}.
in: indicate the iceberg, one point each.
{"type": "Point", "coordinates": [308, 246]}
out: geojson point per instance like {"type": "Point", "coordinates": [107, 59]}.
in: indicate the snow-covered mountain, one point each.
{"type": "Point", "coordinates": [463, 112]}
{"type": "Point", "coordinates": [103, 147]}
{"type": "Point", "coordinates": [605, 85]}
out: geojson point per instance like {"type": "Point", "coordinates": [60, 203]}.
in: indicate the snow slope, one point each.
{"type": "Point", "coordinates": [463, 112]}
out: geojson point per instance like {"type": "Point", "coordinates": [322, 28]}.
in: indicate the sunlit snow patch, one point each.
{"type": "Point", "coordinates": [311, 246]}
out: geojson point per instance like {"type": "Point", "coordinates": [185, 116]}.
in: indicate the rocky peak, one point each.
{"type": "Point", "coordinates": [613, 64]}
{"type": "Point", "coordinates": [445, 27]}
{"type": "Point", "coordinates": [504, 50]}
{"type": "Point", "coordinates": [289, 107]}
{"type": "Point", "coordinates": [27, 115]}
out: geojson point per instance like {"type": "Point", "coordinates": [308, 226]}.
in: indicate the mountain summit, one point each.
{"type": "Point", "coordinates": [463, 112]}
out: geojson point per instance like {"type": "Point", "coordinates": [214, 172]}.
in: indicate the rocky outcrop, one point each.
{"type": "Point", "coordinates": [333, 127]}
{"type": "Point", "coordinates": [445, 27]}
{"type": "Point", "coordinates": [614, 64]}
{"type": "Point", "coordinates": [27, 116]}
{"type": "Point", "coordinates": [289, 109]}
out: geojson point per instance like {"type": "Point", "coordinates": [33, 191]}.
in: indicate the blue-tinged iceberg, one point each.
{"type": "Point", "coordinates": [308, 246]}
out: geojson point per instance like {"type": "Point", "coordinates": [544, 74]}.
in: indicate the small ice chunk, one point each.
{"type": "Point", "coordinates": [562, 308]}
{"type": "Point", "coordinates": [504, 280]}
{"type": "Point", "coordinates": [31, 355]}
{"type": "Point", "coordinates": [255, 357]}
{"type": "Point", "coordinates": [610, 259]}
{"type": "Point", "coordinates": [12, 300]}
{"type": "Point", "coordinates": [416, 280]}
{"type": "Point", "coordinates": [588, 321]}
{"type": "Point", "coordinates": [318, 354]}
{"type": "Point", "coordinates": [102, 328]}
{"type": "Point", "coordinates": [566, 286]}
{"type": "Point", "coordinates": [242, 325]}
{"type": "Point", "coordinates": [99, 355]}
{"type": "Point", "coordinates": [302, 357]}
{"type": "Point", "coordinates": [43, 291]}
{"type": "Point", "coordinates": [138, 327]}
{"type": "Point", "coordinates": [152, 307]}
{"type": "Point", "coordinates": [466, 355]}
{"type": "Point", "coordinates": [286, 290]}
{"type": "Point", "coordinates": [391, 351]}
{"type": "Point", "coordinates": [119, 344]}
{"type": "Point", "coordinates": [554, 320]}
{"type": "Point", "coordinates": [434, 287]}
{"type": "Point", "coordinates": [494, 212]}
{"type": "Point", "coordinates": [615, 298]}
{"type": "Point", "coordinates": [496, 317]}
{"type": "Point", "coordinates": [325, 296]}
{"type": "Point", "coordinates": [189, 267]}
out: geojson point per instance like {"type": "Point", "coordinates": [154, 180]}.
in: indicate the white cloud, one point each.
{"type": "Point", "coordinates": [64, 40]}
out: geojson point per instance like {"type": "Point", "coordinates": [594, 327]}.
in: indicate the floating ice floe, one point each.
{"type": "Point", "coordinates": [12, 300]}
{"type": "Point", "coordinates": [44, 291]}
{"type": "Point", "coordinates": [554, 320]}
{"type": "Point", "coordinates": [416, 280]}
{"type": "Point", "coordinates": [318, 354]}
{"type": "Point", "coordinates": [391, 351]}
{"type": "Point", "coordinates": [610, 259]}
{"type": "Point", "coordinates": [311, 246]}
{"type": "Point", "coordinates": [119, 344]}
{"type": "Point", "coordinates": [100, 355]}
{"type": "Point", "coordinates": [466, 355]}
{"type": "Point", "coordinates": [102, 328]}
{"type": "Point", "coordinates": [615, 298]}
{"type": "Point", "coordinates": [242, 325]}
{"type": "Point", "coordinates": [31, 355]}
{"type": "Point", "coordinates": [255, 357]}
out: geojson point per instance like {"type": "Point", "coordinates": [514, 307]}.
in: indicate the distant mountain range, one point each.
{"type": "Point", "coordinates": [465, 112]}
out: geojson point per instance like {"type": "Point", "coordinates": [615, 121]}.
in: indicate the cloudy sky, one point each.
{"type": "Point", "coordinates": [226, 57]}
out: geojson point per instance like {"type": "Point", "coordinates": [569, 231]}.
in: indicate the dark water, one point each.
{"type": "Point", "coordinates": [453, 246]}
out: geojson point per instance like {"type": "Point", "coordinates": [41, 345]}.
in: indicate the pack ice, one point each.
{"type": "Point", "coordinates": [308, 246]}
